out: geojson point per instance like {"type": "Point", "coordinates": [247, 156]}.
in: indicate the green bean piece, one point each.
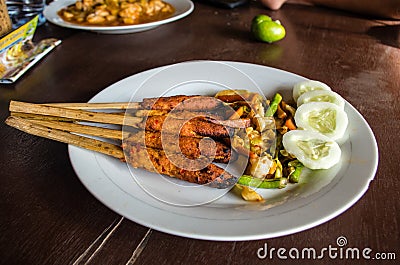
{"type": "Point", "coordinates": [294, 177]}
{"type": "Point", "coordinates": [273, 106]}
{"type": "Point", "coordinates": [247, 180]}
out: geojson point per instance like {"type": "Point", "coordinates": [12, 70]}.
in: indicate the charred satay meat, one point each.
{"type": "Point", "coordinates": [155, 160]}
{"type": "Point", "coordinates": [191, 147]}
{"type": "Point", "coordinates": [195, 127]}
{"type": "Point", "coordinates": [212, 115]}
{"type": "Point", "coordinates": [182, 102]}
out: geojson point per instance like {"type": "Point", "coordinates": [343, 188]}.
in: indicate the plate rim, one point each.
{"type": "Point", "coordinates": [188, 231]}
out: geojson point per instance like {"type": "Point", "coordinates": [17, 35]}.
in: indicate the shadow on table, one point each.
{"type": "Point", "coordinates": [387, 34]}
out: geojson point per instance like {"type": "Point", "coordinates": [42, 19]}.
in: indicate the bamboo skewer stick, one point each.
{"type": "Point", "coordinates": [65, 137]}
{"type": "Point", "coordinates": [82, 129]}
{"type": "Point", "coordinates": [97, 106]}
{"type": "Point", "coordinates": [82, 115]}
{"type": "Point", "coordinates": [146, 113]}
{"type": "Point", "coordinates": [29, 116]}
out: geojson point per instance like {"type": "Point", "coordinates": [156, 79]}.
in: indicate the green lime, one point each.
{"type": "Point", "coordinates": [267, 30]}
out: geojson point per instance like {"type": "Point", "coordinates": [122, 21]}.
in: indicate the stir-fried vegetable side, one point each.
{"type": "Point", "coordinates": [269, 166]}
{"type": "Point", "coordinates": [277, 157]}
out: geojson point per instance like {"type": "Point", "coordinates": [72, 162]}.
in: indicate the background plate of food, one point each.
{"type": "Point", "coordinates": [319, 196]}
{"type": "Point", "coordinates": [116, 16]}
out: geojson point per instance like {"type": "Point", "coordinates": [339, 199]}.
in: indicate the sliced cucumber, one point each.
{"type": "Point", "coordinates": [314, 150]}
{"type": "Point", "coordinates": [321, 96]}
{"type": "Point", "coordinates": [309, 85]}
{"type": "Point", "coordinates": [323, 117]}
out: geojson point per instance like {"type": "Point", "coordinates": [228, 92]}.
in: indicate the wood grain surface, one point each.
{"type": "Point", "coordinates": [49, 217]}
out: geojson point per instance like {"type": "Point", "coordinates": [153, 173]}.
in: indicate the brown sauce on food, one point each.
{"type": "Point", "coordinates": [116, 12]}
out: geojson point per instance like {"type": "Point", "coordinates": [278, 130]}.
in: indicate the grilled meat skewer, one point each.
{"type": "Point", "coordinates": [195, 127]}
{"type": "Point", "coordinates": [182, 102]}
{"type": "Point", "coordinates": [191, 147]}
{"type": "Point", "coordinates": [155, 160]}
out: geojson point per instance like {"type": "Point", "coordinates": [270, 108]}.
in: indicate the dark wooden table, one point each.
{"type": "Point", "coordinates": [49, 217]}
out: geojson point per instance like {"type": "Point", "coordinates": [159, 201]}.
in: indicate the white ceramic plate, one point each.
{"type": "Point", "coordinates": [182, 9]}
{"type": "Point", "coordinates": [319, 197]}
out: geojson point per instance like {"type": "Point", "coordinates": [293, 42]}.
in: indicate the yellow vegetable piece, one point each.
{"type": "Point", "coordinates": [248, 194]}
